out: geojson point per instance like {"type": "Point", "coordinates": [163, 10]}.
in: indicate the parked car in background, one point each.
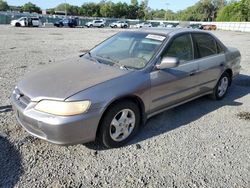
{"type": "Point", "coordinates": [95, 23]}
{"type": "Point", "coordinates": [143, 25]}
{"type": "Point", "coordinates": [168, 25]}
{"type": "Point", "coordinates": [109, 92]}
{"type": "Point", "coordinates": [209, 27]}
{"type": "Point", "coordinates": [26, 22]}
{"type": "Point", "coordinates": [172, 25]}
{"type": "Point", "coordinates": [119, 24]}
{"type": "Point", "coordinates": [196, 26]}
{"type": "Point", "coordinates": [67, 22]}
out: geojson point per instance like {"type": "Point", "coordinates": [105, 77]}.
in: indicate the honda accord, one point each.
{"type": "Point", "coordinates": [109, 92]}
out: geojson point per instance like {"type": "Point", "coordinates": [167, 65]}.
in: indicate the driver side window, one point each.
{"type": "Point", "coordinates": [181, 47]}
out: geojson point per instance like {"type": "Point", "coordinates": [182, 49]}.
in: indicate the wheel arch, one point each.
{"type": "Point", "coordinates": [137, 100]}
{"type": "Point", "coordinates": [230, 73]}
{"type": "Point", "coordinates": [18, 24]}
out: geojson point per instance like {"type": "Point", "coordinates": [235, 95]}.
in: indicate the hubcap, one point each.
{"type": "Point", "coordinates": [122, 125]}
{"type": "Point", "coordinates": [223, 85]}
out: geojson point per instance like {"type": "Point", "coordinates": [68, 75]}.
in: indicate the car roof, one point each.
{"type": "Point", "coordinates": [168, 31]}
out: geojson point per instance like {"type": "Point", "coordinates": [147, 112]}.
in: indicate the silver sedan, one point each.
{"type": "Point", "coordinates": [109, 92]}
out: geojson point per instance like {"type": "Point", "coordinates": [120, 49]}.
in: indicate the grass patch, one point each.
{"type": "Point", "coordinates": [244, 115]}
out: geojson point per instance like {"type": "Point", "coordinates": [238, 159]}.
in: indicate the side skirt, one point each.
{"type": "Point", "coordinates": [178, 104]}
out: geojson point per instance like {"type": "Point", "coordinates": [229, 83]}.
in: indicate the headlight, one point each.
{"type": "Point", "coordinates": [63, 108]}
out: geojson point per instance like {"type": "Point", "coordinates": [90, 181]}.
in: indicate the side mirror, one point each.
{"type": "Point", "coordinates": [168, 62]}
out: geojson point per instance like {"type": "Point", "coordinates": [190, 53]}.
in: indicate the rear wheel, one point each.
{"type": "Point", "coordinates": [125, 26]}
{"type": "Point", "coordinates": [221, 88]}
{"type": "Point", "coordinates": [102, 26]}
{"type": "Point", "coordinates": [18, 25]}
{"type": "Point", "coordinates": [119, 125]}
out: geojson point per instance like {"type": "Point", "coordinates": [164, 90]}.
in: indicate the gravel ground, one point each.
{"type": "Point", "coordinates": [203, 143]}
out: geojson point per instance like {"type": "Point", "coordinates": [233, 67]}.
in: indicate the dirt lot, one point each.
{"type": "Point", "coordinates": [203, 143]}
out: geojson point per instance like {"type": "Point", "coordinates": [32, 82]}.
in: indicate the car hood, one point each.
{"type": "Point", "coordinates": [62, 80]}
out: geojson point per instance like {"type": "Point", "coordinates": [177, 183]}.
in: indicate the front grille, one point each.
{"type": "Point", "coordinates": [20, 98]}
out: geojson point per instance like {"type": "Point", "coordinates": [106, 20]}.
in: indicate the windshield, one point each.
{"type": "Point", "coordinates": [127, 49]}
{"type": "Point", "coordinates": [21, 19]}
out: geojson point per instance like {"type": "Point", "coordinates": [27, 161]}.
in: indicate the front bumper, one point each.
{"type": "Point", "coordinates": [13, 23]}
{"type": "Point", "coordinates": [59, 130]}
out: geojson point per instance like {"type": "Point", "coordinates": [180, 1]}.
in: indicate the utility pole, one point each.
{"type": "Point", "coordinates": [167, 4]}
{"type": "Point", "coordinates": [65, 8]}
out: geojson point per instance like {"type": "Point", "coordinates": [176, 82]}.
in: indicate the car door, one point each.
{"type": "Point", "coordinates": [211, 60]}
{"type": "Point", "coordinates": [97, 23]}
{"type": "Point", "coordinates": [174, 85]}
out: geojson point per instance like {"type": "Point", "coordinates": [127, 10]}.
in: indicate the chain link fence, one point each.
{"type": "Point", "coordinates": [6, 17]}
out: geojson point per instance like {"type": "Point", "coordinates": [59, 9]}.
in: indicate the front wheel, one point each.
{"type": "Point", "coordinates": [221, 88]}
{"type": "Point", "coordinates": [120, 124]}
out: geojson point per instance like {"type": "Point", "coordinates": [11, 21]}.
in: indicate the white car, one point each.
{"type": "Point", "coordinates": [143, 25]}
{"type": "Point", "coordinates": [26, 22]}
{"type": "Point", "coordinates": [96, 23]}
{"type": "Point", "coordinates": [119, 24]}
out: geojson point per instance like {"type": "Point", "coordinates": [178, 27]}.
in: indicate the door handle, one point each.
{"type": "Point", "coordinates": [192, 73]}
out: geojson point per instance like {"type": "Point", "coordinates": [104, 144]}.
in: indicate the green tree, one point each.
{"type": "Point", "coordinates": [134, 3]}
{"type": "Point", "coordinates": [4, 5]}
{"type": "Point", "coordinates": [160, 14]}
{"type": "Point", "coordinates": [235, 11]}
{"type": "Point", "coordinates": [143, 11]}
{"type": "Point", "coordinates": [106, 9]}
{"type": "Point", "coordinates": [120, 10]}
{"type": "Point", "coordinates": [30, 7]}
{"type": "Point", "coordinates": [70, 9]}
{"type": "Point", "coordinates": [90, 9]}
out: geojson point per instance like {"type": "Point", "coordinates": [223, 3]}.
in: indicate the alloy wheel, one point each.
{"type": "Point", "coordinates": [122, 125]}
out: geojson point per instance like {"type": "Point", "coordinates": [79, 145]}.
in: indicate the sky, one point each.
{"type": "Point", "coordinates": [155, 4]}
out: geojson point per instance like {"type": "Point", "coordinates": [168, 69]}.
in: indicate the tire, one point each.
{"type": "Point", "coordinates": [221, 87]}
{"type": "Point", "coordinates": [109, 135]}
{"type": "Point", "coordinates": [102, 26]}
{"type": "Point", "coordinates": [18, 25]}
{"type": "Point", "coordinates": [125, 26]}
{"type": "Point", "coordinates": [91, 26]}
{"type": "Point", "coordinates": [115, 26]}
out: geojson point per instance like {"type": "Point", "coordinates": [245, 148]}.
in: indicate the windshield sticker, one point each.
{"type": "Point", "coordinates": [155, 37]}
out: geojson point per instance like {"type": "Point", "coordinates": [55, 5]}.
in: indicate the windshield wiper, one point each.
{"type": "Point", "coordinates": [109, 58]}
{"type": "Point", "coordinates": [92, 58]}
{"type": "Point", "coordinates": [114, 61]}
{"type": "Point", "coordinates": [89, 53]}
{"type": "Point", "coordinates": [124, 66]}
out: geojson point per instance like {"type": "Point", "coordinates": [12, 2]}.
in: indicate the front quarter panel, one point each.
{"type": "Point", "coordinates": [135, 83]}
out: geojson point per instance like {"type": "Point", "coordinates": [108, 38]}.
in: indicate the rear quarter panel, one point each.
{"type": "Point", "coordinates": [233, 59]}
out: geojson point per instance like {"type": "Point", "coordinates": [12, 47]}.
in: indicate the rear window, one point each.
{"type": "Point", "coordinates": [206, 45]}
